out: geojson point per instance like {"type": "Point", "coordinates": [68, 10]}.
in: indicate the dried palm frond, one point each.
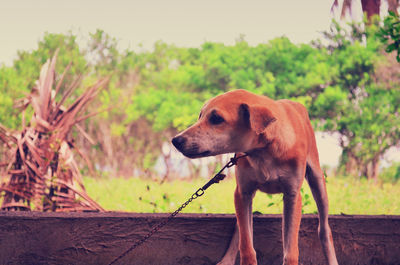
{"type": "Point", "coordinates": [43, 173]}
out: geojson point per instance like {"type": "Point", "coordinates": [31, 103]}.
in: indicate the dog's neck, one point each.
{"type": "Point", "coordinates": [259, 152]}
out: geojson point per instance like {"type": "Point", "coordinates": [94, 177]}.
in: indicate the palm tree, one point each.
{"type": "Point", "coordinates": [370, 7]}
{"type": "Point", "coordinates": [42, 172]}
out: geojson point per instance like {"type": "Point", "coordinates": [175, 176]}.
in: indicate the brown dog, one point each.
{"type": "Point", "coordinates": [278, 138]}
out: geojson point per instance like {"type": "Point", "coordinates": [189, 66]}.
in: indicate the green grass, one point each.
{"type": "Point", "coordinates": [346, 196]}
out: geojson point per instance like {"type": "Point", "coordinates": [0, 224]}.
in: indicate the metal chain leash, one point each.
{"type": "Point", "coordinates": [217, 178]}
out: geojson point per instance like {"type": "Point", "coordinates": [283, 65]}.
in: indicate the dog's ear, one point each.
{"type": "Point", "coordinates": [256, 117]}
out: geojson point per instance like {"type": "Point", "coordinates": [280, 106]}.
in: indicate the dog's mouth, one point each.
{"type": "Point", "coordinates": [197, 155]}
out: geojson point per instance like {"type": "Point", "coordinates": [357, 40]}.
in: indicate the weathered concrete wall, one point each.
{"type": "Point", "coordinates": [96, 238]}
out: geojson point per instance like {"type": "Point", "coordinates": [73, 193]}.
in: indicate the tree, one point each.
{"type": "Point", "coordinates": [42, 170]}
{"type": "Point", "coordinates": [362, 104]}
{"type": "Point", "coordinates": [153, 94]}
{"type": "Point", "coordinates": [369, 7]}
{"type": "Point", "coordinates": [16, 81]}
{"type": "Point", "coordinates": [69, 52]}
{"type": "Point", "coordinates": [389, 33]}
{"type": "Point", "coordinates": [12, 87]}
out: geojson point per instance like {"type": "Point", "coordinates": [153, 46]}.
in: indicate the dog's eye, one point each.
{"type": "Point", "coordinates": [216, 119]}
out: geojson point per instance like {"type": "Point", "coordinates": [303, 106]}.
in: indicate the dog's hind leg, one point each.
{"type": "Point", "coordinates": [231, 254]}
{"type": "Point", "coordinates": [316, 181]}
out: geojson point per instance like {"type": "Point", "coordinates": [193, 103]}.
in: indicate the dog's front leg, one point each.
{"type": "Point", "coordinates": [244, 216]}
{"type": "Point", "coordinates": [291, 225]}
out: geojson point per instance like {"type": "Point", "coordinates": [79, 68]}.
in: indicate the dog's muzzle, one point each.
{"type": "Point", "coordinates": [179, 142]}
{"type": "Point", "coordinates": [191, 151]}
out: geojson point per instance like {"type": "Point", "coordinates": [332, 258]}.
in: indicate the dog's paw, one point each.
{"type": "Point", "coordinates": [225, 263]}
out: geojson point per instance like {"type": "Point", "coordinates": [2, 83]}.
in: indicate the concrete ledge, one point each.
{"type": "Point", "coordinates": [97, 238]}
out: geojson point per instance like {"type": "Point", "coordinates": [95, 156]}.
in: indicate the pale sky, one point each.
{"type": "Point", "coordinates": [182, 22]}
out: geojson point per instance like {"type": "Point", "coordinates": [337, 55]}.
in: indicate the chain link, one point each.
{"type": "Point", "coordinates": [217, 178]}
{"type": "Point", "coordinates": [155, 229]}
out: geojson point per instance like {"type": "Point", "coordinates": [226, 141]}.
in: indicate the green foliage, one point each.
{"type": "Point", "coordinates": [306, 199]}
{"type": "Point", "coordinates": [390, 34]}
{"type": "Point", "coordinates": [165, 108]}
{"type": "Point", "coordinates": [153, 94]}
{"type": "Point", "coordinates": [391, 174]}
{"type": "Point", "coordinates": [28, 63]}
{"type": "Point", "coordinates": [346, 195]}
{"type": "Point", "coordinates": [103, 52]}
{"type": "Point", "coordinates": [17, 81]}
{"type": "Point", "coordinates": [12, 87]}
{"type": "Point", "coordinates": [360, 103]}
{"type": "Point", "coordinates": [176, 82]}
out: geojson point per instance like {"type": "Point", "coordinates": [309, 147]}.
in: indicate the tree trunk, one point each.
{"type": "Point", "coordinates": [374, 169]}
{"type": "Point", "coordinates": [107, 145]}
{"type": "Point", "coordinates": [371, 7]}
{"type": "Point", "coordinates": [168, 165]}
{"type": "Point", "coordinates": [349, 163]}
{"type": "Point", "coordinates": [371, 169]}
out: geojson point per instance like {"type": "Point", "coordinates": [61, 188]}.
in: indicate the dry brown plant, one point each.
{"type": "Point", "coordinates": [42, 174]}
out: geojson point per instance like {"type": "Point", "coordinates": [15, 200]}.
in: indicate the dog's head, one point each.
{"type": "Point", "coordinates": [232, 122]}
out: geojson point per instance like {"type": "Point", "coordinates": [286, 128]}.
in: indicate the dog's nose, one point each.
{"type": "Point", "coordinates": [178, 142]}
